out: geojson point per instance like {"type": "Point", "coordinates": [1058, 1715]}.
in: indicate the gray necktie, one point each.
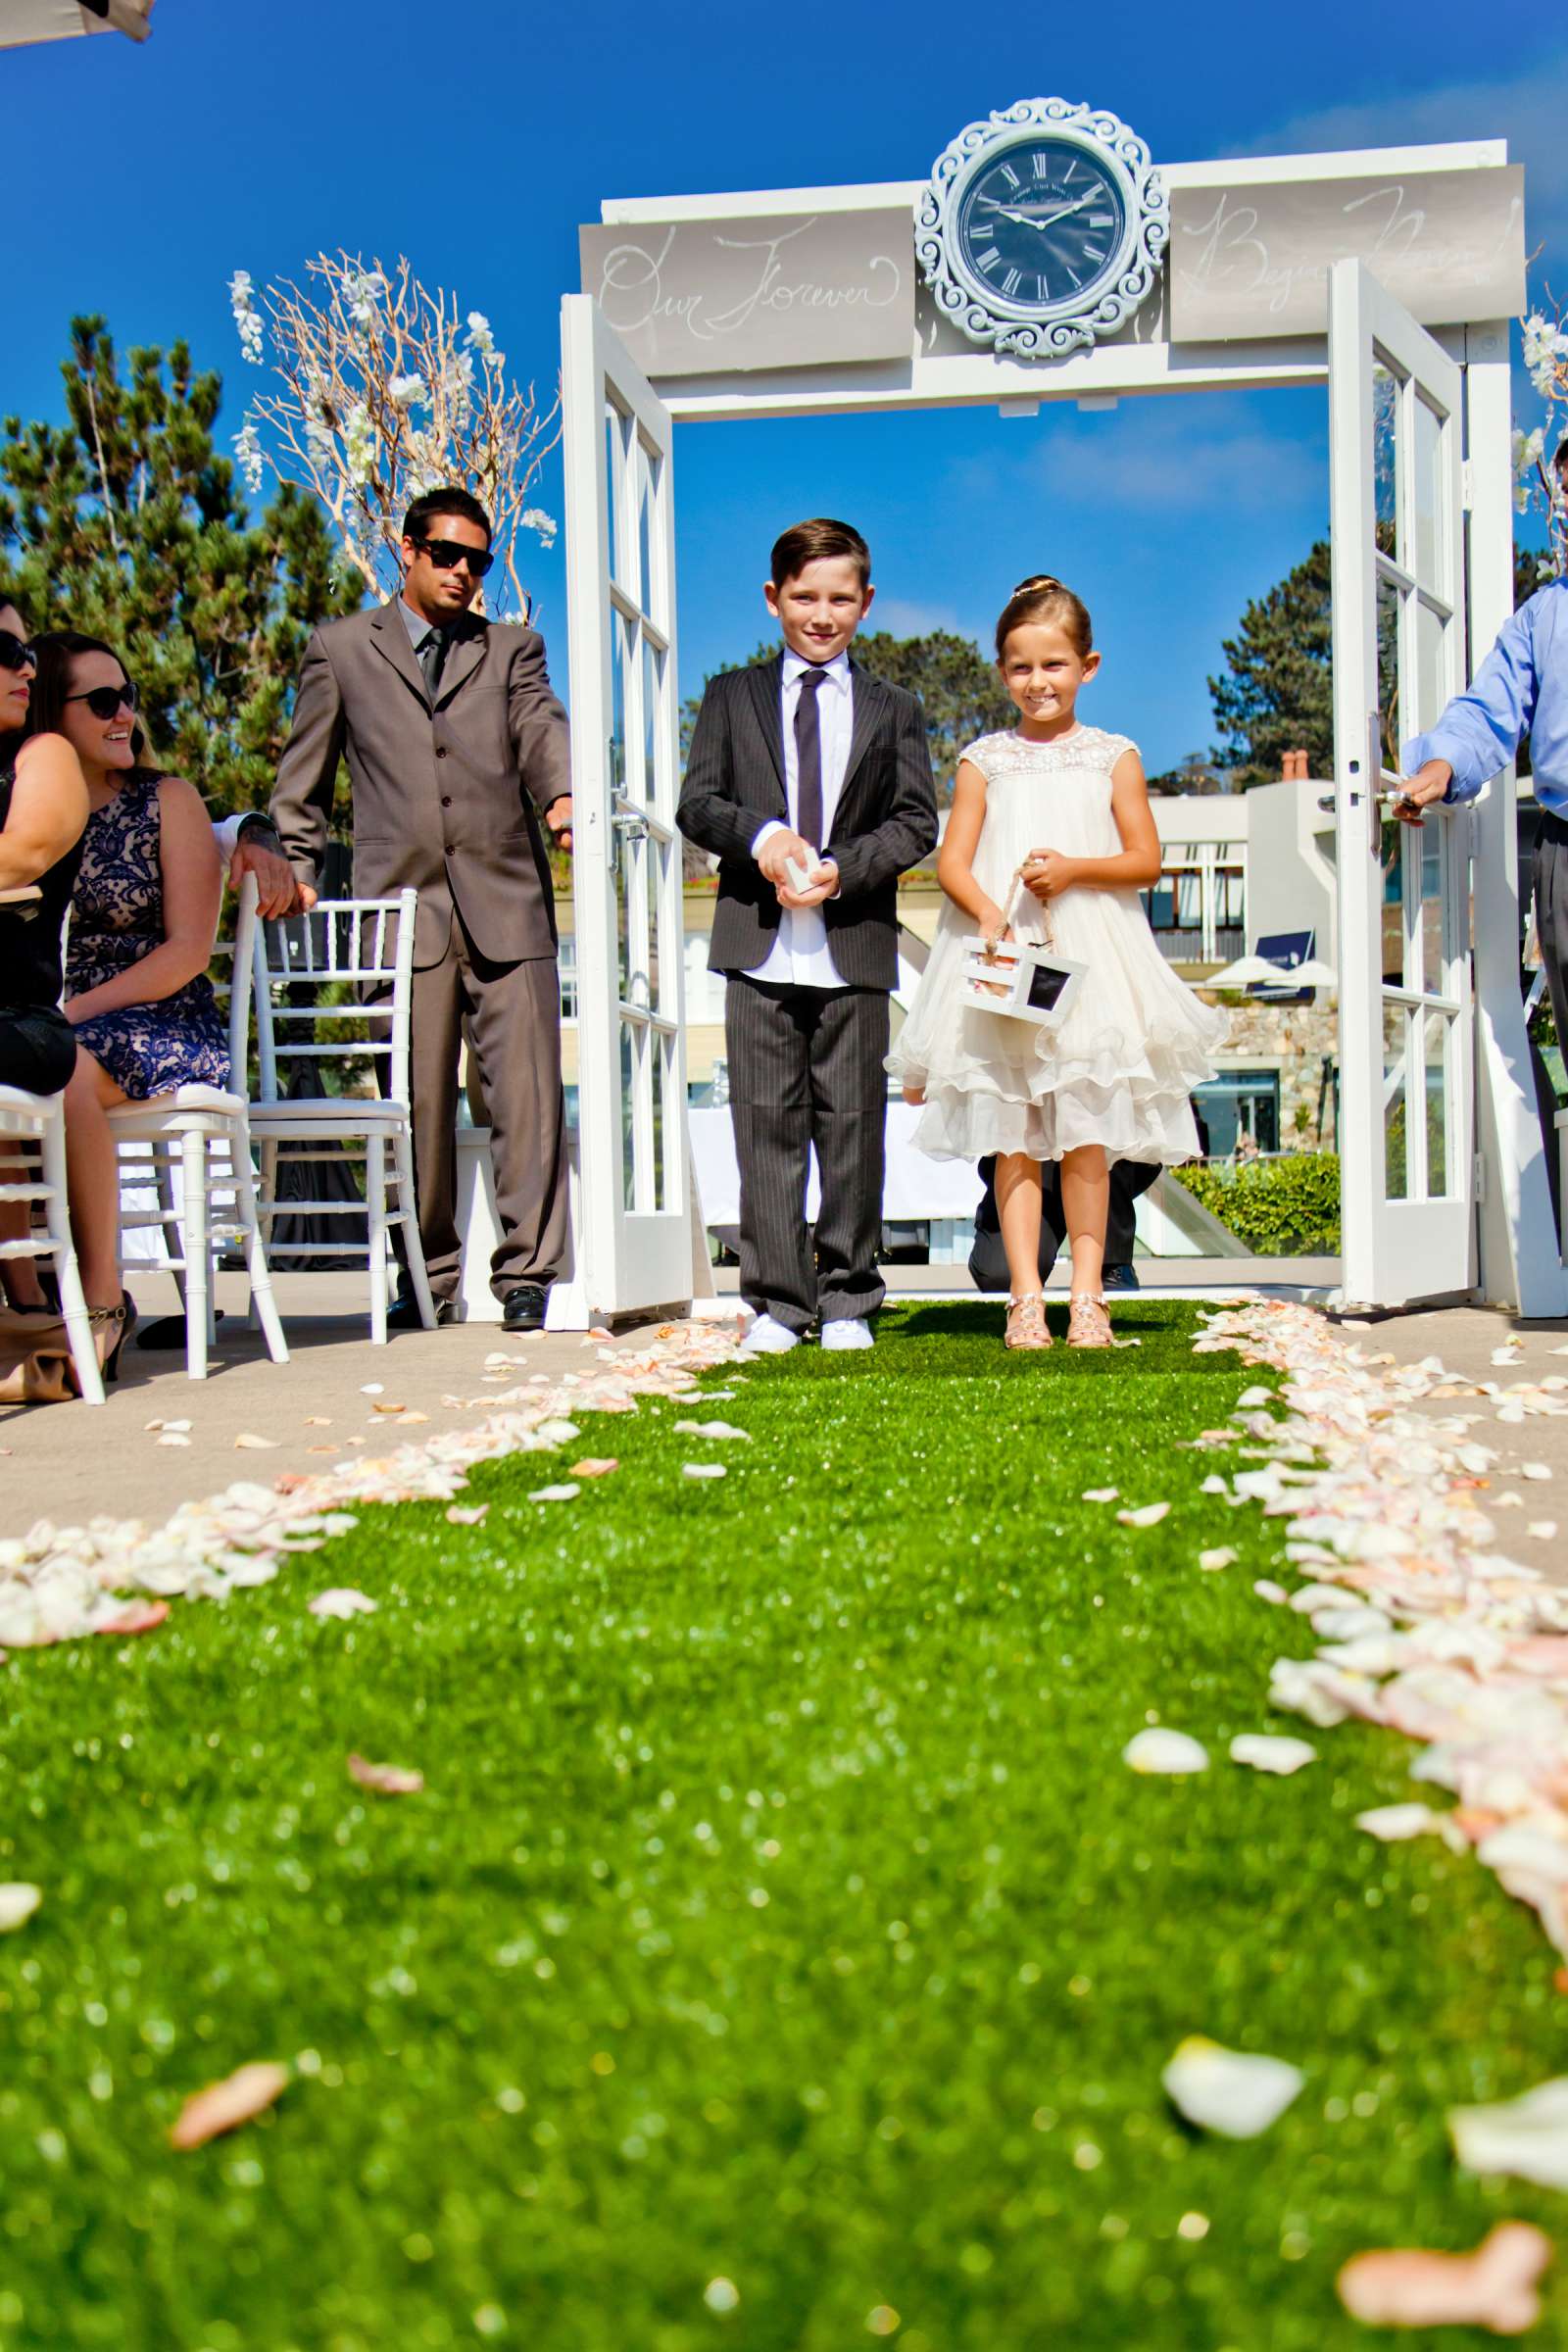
{"type": "Point", "coordinates": [809, 758]}
{"type": "Point", "coordinates": [432, 654]}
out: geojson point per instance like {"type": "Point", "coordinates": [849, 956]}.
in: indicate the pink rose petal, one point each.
{"type": "Point", "coordinates": [223, 2105]}
{"type": "Point", "coordinates": [1493, 2287]}
{"type": "Point", "coordinates": [387, 1779]}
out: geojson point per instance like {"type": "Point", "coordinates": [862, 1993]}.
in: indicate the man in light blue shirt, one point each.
{"type": "Point", "coordinates": [1521, 688]}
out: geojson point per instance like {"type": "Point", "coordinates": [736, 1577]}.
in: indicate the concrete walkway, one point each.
{"type": "Point", "coordinates": [72, 1462]}
{"type": "Point", "coordinates": [1466, 1339]}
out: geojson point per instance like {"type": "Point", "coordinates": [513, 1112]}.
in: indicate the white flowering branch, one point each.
{"type": "Point", "coordinates": [1535, 479]}
{"type": "Point", "coordinates": [388, 391]}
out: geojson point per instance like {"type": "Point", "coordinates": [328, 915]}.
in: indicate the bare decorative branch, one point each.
{"type": "Point", "coordinates": [389, 390]}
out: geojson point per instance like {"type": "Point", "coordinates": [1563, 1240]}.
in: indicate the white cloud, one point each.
{"type": "Point", "coordinates": [904, 616]}
{"type": "Point", "coordinates": [1525, 107]}
{"type": "Point", "coordinates": [1156, 458]}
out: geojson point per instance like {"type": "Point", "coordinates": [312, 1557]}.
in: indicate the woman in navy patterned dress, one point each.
{"type": "Point", "coordinates": [143, 919]}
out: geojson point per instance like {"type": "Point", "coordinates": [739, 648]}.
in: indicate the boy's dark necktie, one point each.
{"type": "Point", "coordinates": [808, 758]}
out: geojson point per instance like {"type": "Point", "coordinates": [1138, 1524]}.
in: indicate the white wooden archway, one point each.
{"type": "Point", "coordinates": [1460, 1205]}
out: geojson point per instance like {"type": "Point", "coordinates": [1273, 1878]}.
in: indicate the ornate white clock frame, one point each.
{"type": "Point", "coordinates": [1466, 1210]}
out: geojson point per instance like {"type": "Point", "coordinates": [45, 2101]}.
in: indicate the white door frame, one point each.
{"type": "Point", "coordinates": [1406, 1189]}
{"type": "Point", "coordinates": [627, 884]}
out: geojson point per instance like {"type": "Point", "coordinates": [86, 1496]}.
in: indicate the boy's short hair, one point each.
{"type": "Point", "coordinates": [424, 511]}
{"type": "Point", "coordinates": [805, 542]}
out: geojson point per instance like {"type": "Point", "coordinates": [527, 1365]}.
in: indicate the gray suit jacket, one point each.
{"type": "Point", "coordinates": [885, 822]}
{"type": "Point", "coordinates": [446, 802]}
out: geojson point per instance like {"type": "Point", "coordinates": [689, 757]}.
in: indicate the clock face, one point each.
{"type": "Point", "coordinates": [1041, 223]}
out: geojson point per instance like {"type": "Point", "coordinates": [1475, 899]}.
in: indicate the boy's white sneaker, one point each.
{"type": "Point", "coordinates": [767, 1338]}
{"type": "Point", "coordinates": [852, 1330]}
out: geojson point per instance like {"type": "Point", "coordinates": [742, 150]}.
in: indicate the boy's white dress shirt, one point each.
{"type": "Point", "coordinates": [800, 956]}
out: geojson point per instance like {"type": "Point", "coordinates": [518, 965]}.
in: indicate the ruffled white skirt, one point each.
{"type": "Point", "coordinates": [1119, 1070]}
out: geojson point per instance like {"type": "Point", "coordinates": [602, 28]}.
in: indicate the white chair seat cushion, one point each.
{"type": "Point", "coordinates": [328, 1111]}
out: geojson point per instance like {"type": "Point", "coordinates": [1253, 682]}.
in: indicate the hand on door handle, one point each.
{"type": "Point", "coordinates": [1421, 791]}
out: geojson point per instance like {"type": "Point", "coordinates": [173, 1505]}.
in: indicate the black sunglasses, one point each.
{"type": "Point", "coordinates": [447, 553]}
{"type": "Point", "coordinates": [107, 701]}
{"type": "Point", "coordinates": [15, 652]}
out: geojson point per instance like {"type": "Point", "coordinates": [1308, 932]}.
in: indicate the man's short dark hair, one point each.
{"type": "Point", "coordinates": [1560, 460]}
{"type": "Point", "coordinates": [433, 504]}
{"type": "Point", "coordinates": [807, 542]}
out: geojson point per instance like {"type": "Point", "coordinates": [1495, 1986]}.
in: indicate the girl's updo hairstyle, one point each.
{"type": "Point", "coordinates": [1043, 598]}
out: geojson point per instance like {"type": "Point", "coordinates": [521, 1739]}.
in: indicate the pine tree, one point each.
{"type": "Point", "coordinates": [1278, 695]}
{"type": "Point", "coordinates": [126, 522]}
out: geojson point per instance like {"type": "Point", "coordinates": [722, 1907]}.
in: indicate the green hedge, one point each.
{"type": "Point", "coordinates": [1286, 1208]}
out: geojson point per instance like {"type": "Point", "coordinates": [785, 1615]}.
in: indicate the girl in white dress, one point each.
{"type": "Point", "coordinates": [1050, 838]}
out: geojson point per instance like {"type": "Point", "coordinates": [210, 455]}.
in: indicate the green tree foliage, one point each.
{"type": "Point", "coordinates": [1193, 772]}
{"type": "Point", "coordinates": [1277, 692]}
{"type": "Point", "coordinates": [963, 696]}
{"type": "Point", "coordinates": [126, 522]}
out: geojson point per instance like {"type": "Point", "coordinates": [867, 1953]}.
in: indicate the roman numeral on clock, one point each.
{"type": "Point", "coordinates": [1012, 177]}
{"type": "Point", "coordinates": [1011, 282]}
{"type": "Point", "coordinates": [991, 259]}
{"type": "Point", "coordinates": [1093, 253]}
{"type": "Point", "coordinates": [1042, 162]}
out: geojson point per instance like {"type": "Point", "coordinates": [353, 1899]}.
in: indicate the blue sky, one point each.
{"type": "Point", "coordinates": [475, 137]}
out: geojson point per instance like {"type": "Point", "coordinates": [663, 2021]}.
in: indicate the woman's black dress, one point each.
{"type": "Point", "coordinates": [37, 1043]}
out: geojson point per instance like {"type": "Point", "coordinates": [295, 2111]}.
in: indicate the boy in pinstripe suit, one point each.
{"type": "Point", "coordinates": [810, 782]}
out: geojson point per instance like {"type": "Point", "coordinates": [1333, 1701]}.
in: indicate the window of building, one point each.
{"type": "Point", "coordinates": [566, 965]}
{"type": "Point", "coordinates": [1238, 1102]}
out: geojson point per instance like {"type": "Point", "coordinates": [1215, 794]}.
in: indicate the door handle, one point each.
{"type": "Point", "coordinates": [629, 826]}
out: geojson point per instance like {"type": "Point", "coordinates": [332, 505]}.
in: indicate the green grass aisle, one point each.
{"type": "Point", "coordinates": [778, 1912]}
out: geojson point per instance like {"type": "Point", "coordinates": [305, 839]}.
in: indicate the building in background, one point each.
{"type": "Point", "coordinates": [23, 21]}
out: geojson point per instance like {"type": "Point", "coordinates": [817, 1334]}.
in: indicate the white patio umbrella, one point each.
{"type": "Point", "coordinates": [1245, 971]}
{"type": "Point", "coordinates": [26, 20]}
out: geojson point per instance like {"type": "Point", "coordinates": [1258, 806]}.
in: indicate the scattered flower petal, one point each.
{"type": "Point", "coordinates": [140, 1618]}
{"type": "Point", "coordinates": [709, 1429]}
{"type": "Point", "coordinates": [1493, 2287]}
{"type": "Point", "coordinates": [17, 1903]}
{"type": "Point", "coordinates": [1102, 1493]}
{"type": "Point", "coordinates": [1222, 1557]}
{"type": "Point", "coordinates": [595, 1465]}
{"type": "Point", "coordinates": [703, 1470]}
{"type": "Point", "coordinates": [1535, 1470]}
{"type": "Point", "coordinates": [248, 1442]}
{"type": "Point", "coordinates": [223, 2105]}
{"type": "Point", "coordinates": [387, 1779]}
{"type": "Point", "coordinates": [342, 1601]}
{"type": "Point", "coordinates": [1267, 1753]}
{"type": "Point", "coordinates": [466, 1514]}
{"type": "Point", "coordinates": [1229, 2091]}
{"type": "Point", "coordinates": [372, 1388]}
{"type": "Point", "coordinates": [568, 1492]}
{"type": "Point", "coordinates": [1149, 1514]}
{"type": "Point", "coordinates": [1527, 2136]}
{"type": "Point", "coordinates": [1396, 1823]}
{"type": "Point", "coordinates": [1164, 1751]}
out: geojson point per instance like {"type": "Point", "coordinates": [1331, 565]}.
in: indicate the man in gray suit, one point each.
{"type": "Point", "coordinates": [459, 757]}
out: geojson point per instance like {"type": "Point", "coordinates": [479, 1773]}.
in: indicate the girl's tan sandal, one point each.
{"type": "Point", "coordinates": [1087, 1324]}
{"type": "Point", "coordinates": [1026, 1321]}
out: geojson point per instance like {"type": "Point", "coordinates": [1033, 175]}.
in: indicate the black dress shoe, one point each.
{"type": "Point", "coordinates": [404, 1316]}
{"type": "Point", "coordinates": [524, 1309]}
{"type": "Point", "coordinates": [1119, 1278]}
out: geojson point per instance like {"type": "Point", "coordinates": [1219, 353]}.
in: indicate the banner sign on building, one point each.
{"type": "Point", "coordinates": [1253, 259]}
{"type": "Point", "coordinates": [787, 290]}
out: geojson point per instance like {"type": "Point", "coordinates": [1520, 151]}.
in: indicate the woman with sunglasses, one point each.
{"type": "Point", "coordinates": [43, 808]}
{"type": "Point", "coordinates": [143, 919]}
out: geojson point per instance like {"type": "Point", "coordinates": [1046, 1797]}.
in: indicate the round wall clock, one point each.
{"type": "Point", "coordinates": [1042, 227]}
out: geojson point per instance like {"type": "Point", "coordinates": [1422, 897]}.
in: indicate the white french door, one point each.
{"type": "Point", "coordinates": [626, 732]}
{"type": "Point", "coordinates": [1406, 1046]}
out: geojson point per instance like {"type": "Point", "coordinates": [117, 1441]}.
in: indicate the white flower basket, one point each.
{"type": "Point", "coordinates": [1020, 981]}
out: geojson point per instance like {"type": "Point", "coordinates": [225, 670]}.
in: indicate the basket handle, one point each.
{"type": "Point", "coordinates": [1013, 887]}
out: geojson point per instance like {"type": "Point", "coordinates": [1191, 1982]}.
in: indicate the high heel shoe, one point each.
{"type": "Point", "coordinates": [102, 1317]}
